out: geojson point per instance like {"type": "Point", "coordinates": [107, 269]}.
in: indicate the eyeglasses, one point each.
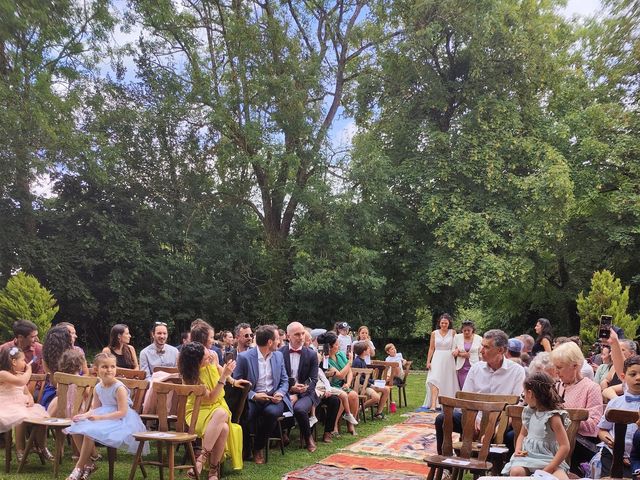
{"type": "Point", "coordinates": [160, 324]}
{"type": "Point", "coordinates": [248, 335]}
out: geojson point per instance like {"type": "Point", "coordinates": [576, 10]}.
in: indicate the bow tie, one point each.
{"type": "Point", "coordinates": [632, 398]}
{"type": "Point", "coordinates": [295, 351]}
{"type": "Point", "coordinates": [160, 352]}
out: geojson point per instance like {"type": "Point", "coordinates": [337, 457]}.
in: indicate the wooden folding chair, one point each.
{"type": "Point", "coordinates": [60, 420]}
{"type": "Point", "coordinates": [620, 419]}
{"type": "Point", "coordinates": [402, 387]}
{"type": "Point", "coordinates": [130, 373]}
{"type": "Point", "coordinates": [165, 369]}
{"type": "Point", "coordinates": [183, 434]}
{"type": "Point", "coordinates": [465, 461]}
{"type": "Point", "coordinates": [360, 383]}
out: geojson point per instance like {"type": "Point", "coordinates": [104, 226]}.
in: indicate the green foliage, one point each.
{"type": "Point", "coordinates": [23, 298]}
{"type": "Point", "coordinates": [607, 296]}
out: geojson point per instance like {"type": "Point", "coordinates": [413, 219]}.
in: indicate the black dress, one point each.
{"type": "Point", "coordinates": [121, 361]}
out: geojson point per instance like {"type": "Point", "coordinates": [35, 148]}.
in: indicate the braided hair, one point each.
{"type": "Point", "coordinates": [543, 388]}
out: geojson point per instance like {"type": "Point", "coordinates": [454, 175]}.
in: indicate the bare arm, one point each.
{"type": "Point", "coordinates": [563, 444]}
{"type": "Point", "coordinates": [546, 344]}
{"type": "Point", "coordinates": [134, 356]}
{"type": "Point", "coordinates": [518, 447]}
{"type": "Point", "coordinates": [432, 348]}
{"type": "Point", "coordinates": [18, 379]}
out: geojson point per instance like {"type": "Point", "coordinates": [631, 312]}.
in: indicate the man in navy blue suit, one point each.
{"type": "Point", "coordinates": [264, 367]}
{"type": "Point", "coordinates": [301, 364]}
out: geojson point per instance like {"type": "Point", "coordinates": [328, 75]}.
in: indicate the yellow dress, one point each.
{"type": "Point", "coordinates": [209, 377]}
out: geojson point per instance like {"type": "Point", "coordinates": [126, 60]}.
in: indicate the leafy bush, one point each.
{"type": "Point", "coordinates": [24, 298]}
{"type": "Point", "coordinates": [606, 297]}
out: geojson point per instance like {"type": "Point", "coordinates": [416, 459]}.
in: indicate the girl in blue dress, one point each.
{"type": "Point", "coordinates": [543, 443]}
{"type": "Point", "coordinates": [111, 421]}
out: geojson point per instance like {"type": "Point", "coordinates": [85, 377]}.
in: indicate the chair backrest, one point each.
{"type": "Point", "coordinates": [236, 398]}
{"type": "Point", "coordinates": [620, 419]}
{"type": "Point", "coordinates": [165, 369]}
{"type": "Point", "coordinates": [470, 408]}
{"type": "Point", "coordinates": [490, 397]}
{"type": "Point", "coordinates": [84, 389]}
{"type": "Point", "coordinates": [360, 380]}
{"type": "Point", "coordinates": [36, 385]}
{"type": "Point", "coordinates": [138, 389]}
{"type": "Point", "coordinates": [382, 369]}
{"type": "Point", "coordinates": [130, 373]}
{"type": "Point", "coordinates": [180, 395]}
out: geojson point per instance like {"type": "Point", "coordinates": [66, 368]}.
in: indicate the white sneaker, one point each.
{"type": "Point", "coordinates": [312, 421]}
{"type": "Point", "coordinates": [350, 418]}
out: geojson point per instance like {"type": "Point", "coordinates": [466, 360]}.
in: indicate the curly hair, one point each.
{"type": "Point", "coordinates": [189, 362]}
{"type": "Point", "coordinates": [56, 342]}
{"type": "Point", "coordinates": [71, 361]}
{"type": "Point", "coordinates": [200, 333]}
{"type": "Point", "coordinates": [544, 390]}
{"type": "Point", "coordinates": [114, 342]}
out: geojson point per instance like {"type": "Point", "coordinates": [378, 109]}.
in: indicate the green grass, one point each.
{"type": "Point", "coordinates": [278, 465]}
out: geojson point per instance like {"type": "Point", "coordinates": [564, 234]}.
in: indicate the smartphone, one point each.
{"type": "Point", "coordinates": [229, 356]}
{"type": "Point", "coordinates": [605, 326]}
{"type": "Point", "coordinates": [325, 363]}
{"type": "Point", "coordinates": [348, 349]}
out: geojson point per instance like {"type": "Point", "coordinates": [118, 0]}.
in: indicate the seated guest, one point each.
{"type": "Point", "coordinates": [514, 349]}
{"type": "Point", "coordinates": [158, 354]}
{"type": "Point", "coordinates": [375, 395]}
{"type": "Point", "coordinates": [397, 373]}
{"type": "Point", "coordinates": [605, 366]}
{"type": "Point", "coordinates": [185, 337]}
{"type": "Point", "coordinates": [578, 392]}
{"type": "Point", "coordinates": [495, 374]}
{"type": "Point", "coordinates": [542, 363]}
{"type": "Point", "coordinates": [263, 366]}
{"type": "Point", "coordinates": [585, 369]}
{"type": "Point", "coordinates": [244, 337]}
{"type": "Point", "coordinates": [56, 342]}
{"type": "Point", "coordinates": [120, 347]}
{"type": "Point", "coordinates": [340, 376]}
{"type": "Point", "coordinates": [301, 364]}
{"type": "Point", "coordinates": [204, 333]}
{"type": "Point", "coordinates": [74, 336]}
{"type": "Point", "coordinates": [621, 349]}
{"type": "Point", "coordinates": [527, 343]}
{"type": "Point", "coordinates": [25, 338]}
{"type": "Point", "coordinates": [227, 341]}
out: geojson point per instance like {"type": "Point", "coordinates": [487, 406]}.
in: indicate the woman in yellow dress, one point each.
{"type": "Point", "coordinates": [220, 437]}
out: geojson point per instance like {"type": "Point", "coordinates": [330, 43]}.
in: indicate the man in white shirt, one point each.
{"type": "Point", "coordinates": [495, 374]}
{"type": "Point", "coordinates": [159, 353]}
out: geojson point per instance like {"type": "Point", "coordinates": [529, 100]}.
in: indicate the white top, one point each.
{"type": "Point", "coordinates": [398, 359]}
{"type": "Point", "coordinates": [294, 361]}
{"type": "Point", "coordinates": [343, 341]}
{"type": "Point", "coordinates": [474, 353]}
{"type": "Point", "coordinates": [587, 370]}
{"type": "Point", "coordinates": [265, 375]}
{"type": "Point", "coordinates": [506, 380]}
{"type": "Point", "coordinates": [622, 402]}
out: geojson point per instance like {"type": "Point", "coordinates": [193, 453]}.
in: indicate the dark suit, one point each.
{"type": "Point", "coordinates": [263, 416]}
{"type": "Point", "coordinates": [307, 371]}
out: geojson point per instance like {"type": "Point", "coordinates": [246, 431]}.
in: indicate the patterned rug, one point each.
{"type": "Point", "coordinates": [407, 441]}
{"type": "Point", "coordinates": [428, 418]}
{"type": "Point", "coordinates": [324, 472]}
{"type": "Point", "coordinates": [347, 460]}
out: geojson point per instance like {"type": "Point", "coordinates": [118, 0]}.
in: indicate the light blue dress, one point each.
{"type": "Point", "coordinates": [540, 443]}
{"type": "Point", "coordinates": [117, 433]}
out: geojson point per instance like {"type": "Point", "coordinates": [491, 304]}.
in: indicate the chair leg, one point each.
{"type": "Point", "coordinates": [281, 438]}
{"type": "Point", "coordinates": [111, 454]}
{"type": "Point", "coordinates": [404, 394]}
{"type": "Point", "coordinates": [172, 461]}
{"type": "Point", "coordinates": [136, 461]}
{"type": "Point", "coordinates": [8, 440]}
{"type": "Point", "coordinates": [27, 450]}
{"type": "Point", "coordinates": [192, 458]}
{"type": "Point", "coordinates": [161, 459]}
{"type": "Point", "coordinates": [59, 436]}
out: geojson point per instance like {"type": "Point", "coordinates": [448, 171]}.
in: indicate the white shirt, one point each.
{"type": "Point", "coordinates": [294, 361]}
{"type": "Point", "coordinates": [506, 380]}
{"type": "Point", "coordinates": [587, 370]}
{"type": "Point", "coordinates": [265, 375]}
{"type": "Point", "coordinates": [622, 404]}
{"type": "Point", "coordinates": [398, 359]}
{"type": "Point", "coordinates": [344, 341]}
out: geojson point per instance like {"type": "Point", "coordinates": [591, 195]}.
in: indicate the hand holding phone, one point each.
{"type": "Point", "coordinates": [605, 326]}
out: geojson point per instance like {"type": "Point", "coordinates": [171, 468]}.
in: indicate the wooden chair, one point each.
{"type": "Point", "coordinates": [137, 391]}
{"type": "Point", "coordinates": [402, 387]}
{"type": "Point", "coordinates": [360, 383]}
{"type": "Point", "coordinates": [498, 438]}
{"type": "Point", "coordinates": [620, 419]}
{"type": "Point", "coordinates": [60, 420]}
{"type": "Point", "coordinates": [130, 373]}
{"type": "Point", "coordinates": [183, 434]}
{"type": "Point", "coordinates": [236, 398]}
{"type": "Point", "coordinates": [464, 461]}
{"type": "Point", "coordinates": [576, 416]}
{"type": "Point", "coordinates": [166, 369]}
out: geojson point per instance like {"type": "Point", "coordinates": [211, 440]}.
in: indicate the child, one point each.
{"type": "Point", "coordinates": [397, 373]}
{"type": "Point", "coordinates": [375, 395]}
{"type": "Point", "coordinates": [543, 443]}
{"type": "Point", "coordinates": [16, 400]}
{"type": "Point", "coordinates": [72, 362]}
{"type": "Point", "coordinates": [630, 400]}
{"type": "Point", "coordinates": [111, 421]}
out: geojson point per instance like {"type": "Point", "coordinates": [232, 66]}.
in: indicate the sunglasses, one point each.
{"type": "Point", "coordinates": [160, 324]}
{"type": "Point", "coordinates": [248, 335]}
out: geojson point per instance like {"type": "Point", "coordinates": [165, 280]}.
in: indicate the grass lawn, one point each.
{"type": "Point", "coordinates": [294, 457]}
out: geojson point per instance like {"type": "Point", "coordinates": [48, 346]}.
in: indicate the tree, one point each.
{"type": "Point", "coordinates": [607, 296]}
{"type": "Point", "coordinates": [23, 298]}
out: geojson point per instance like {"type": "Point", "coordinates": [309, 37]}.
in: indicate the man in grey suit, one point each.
{"type": "Point", "coordinates": [264, 367]}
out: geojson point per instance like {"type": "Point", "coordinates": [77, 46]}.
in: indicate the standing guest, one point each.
{"type": "Point", "coordinates": [244, 337]}
{"type": "Point", "coordinates": [603, 369]}
{"type": "Point", "coordinates": [25, 338]}
{"type": "Point", "coordinates": [466, 350]}
{"type": "Point", "coordinates": [495, 374]}
{"type": "Point", "coordinates": [363, 336]}
{"type": "Point", "coordinates": [120, 347]}
{"type": "Point", "coordinates": [344, 338]}
{"type": "Point", "coordinates": [84, 370]}
{"type": "Point", "coordinates": [204, 333]}
{"type": "Point", "coordinates": [578, 392]}
{"type": "Point", "coordinates": [301, 364]}
{"type": "Point", "coordinates": [199, 367]}
{"type": "Point", "coordinates": [263, 366]}
{"type": "Point", "coordinates": [158, 354]}
{"type": "Point", "coordinates": [56, 342]}
{"type": "Point", "coordinates": [545, 337]}
{"type": "Point", "coordinates": [441, 366]}
{"type": "Point", "coordinates": [185, 337]}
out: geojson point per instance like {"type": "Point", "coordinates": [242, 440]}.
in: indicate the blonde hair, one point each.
{"type": "Point", "coordinates": [388, 346]}
{"type": "Point", "coordinates": [101, 357]}
{"type": "Point", "coordinates": [567, 353]}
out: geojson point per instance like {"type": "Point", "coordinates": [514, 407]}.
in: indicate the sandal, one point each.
{"type": "Point", "coordinates": [214, 472]}
{"type": "Point", "coordinates": [379, 416]}
{"type": "Point", "coordinates": [202, 459]}
{"type": "Point", "coordinates": [88, 470]}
